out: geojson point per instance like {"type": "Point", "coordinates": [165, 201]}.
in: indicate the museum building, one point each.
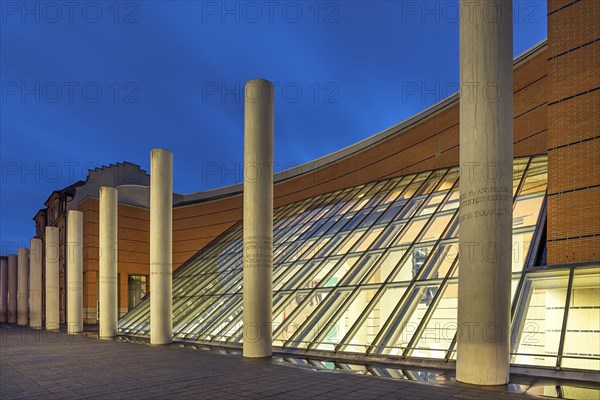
{"type": "Point", "coordinates": [365, 240]}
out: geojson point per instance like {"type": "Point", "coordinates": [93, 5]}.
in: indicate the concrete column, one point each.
{"type": "Point", "coordinates": [108, 262]}
{"type": "Point", "coordinates": [74, 271]}
{"type": "Point", "coordinates": [52, 279]}
{"type": "Point", "coordinates": [3, 290]}
{"type": "Point", "coordinates": [485, 192]}
{"type": "Point", "coordinates": [161, 246]}
{"type": "Point", "coordinates": [12, 289]}
{"type": "Point", "coordinates": [35, 283]}
{"type": "Point", "coordinates": [23, 287]}
{"type": "Point", "coordinates": [258, 218]}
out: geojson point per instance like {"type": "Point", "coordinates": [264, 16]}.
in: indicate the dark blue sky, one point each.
{"type": "Point", "coordinates": [90, 83]}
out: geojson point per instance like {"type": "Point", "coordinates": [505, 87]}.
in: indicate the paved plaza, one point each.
{"type": "Point", "coordinates": [46, 365]}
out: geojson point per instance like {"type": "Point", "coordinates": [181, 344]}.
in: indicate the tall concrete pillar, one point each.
{"type": "Point", "coordinates": [485, 192]}
{"type": "Point", "coordinates": [52, 278]}
{"type": "Point", "coordinates": [258, 218]}
{"type": "Point", "coordinates": [161, 246]}
{"type": "Point", "coordinates": [12, 288]}
{"type": "Point", "coordinates": [74, 271]}
{"type": "Point", "coordinates": [108, 262]}
{"type": "Point", "coordinates": [3, 290]}
{"type": "Point", "coordinates": [23, 286]}
{"type": "Point", "coordinates": [35, 283]}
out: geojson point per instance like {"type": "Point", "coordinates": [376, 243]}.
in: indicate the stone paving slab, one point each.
{"type": "Point", "coordinates": [49, 365]}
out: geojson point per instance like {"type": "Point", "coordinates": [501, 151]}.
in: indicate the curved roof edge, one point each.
{"type": "Point", "coordinates": [214, 194]}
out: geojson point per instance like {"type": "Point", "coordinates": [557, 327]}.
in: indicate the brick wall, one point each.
{"type": "Point", "coordinates": [573, 130]}
{"type": "Point", "coordinates": [133, 250]}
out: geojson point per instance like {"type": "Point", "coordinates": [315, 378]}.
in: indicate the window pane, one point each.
{"type": "Point", "coordinates": [582, 347]}
{"type": "Point", "coordinates": [543, 301]}
{"type": "Point", "coordinates": [379, 311]}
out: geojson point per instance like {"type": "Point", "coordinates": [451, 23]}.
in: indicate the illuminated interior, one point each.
{"type": "Point", "coordinates": [373, 269]}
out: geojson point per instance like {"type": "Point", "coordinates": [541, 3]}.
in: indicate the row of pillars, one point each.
{"type": "Point", "coordinates": [21, 280]}
{"type": "Point", "coordinates": [258, 247]}
{"type": "Point", "coordinates": [484, 282]}
{"type": "Point", "coordinates": [21, 288]}
{"type": "Point", "coordinates": [21, 275]}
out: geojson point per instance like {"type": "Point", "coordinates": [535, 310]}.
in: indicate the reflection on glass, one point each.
{"type": "Point", "coordinates": [362, 270]}
{"type": "Point", "coordinates": [441, 327]}
{"type": "Point", "coordinates": [542, 306]}
{"type": "Point", "coordinates": [582, 347]}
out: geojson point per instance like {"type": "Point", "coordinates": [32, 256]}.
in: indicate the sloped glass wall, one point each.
{"type": "Point", "coordinates": [370, 269]}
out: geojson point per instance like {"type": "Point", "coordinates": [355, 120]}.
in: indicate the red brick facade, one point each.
{"type": "Point", "coordinates": [573, 131]}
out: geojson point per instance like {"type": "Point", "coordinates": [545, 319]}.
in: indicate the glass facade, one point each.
{"type": "Point", "coordinates": [370, 269]}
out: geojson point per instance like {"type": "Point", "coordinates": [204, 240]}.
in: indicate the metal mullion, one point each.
{"type": "Point", "coordinates": [228, 279]}
{"type": "Point", "coordinates": [412, 282]}
{"type": "Point", "coordinates": [233, 312]}
{"type": "Point", "coordinates": [206, 279]}
{"type": "Point", "coordinates": [320, 202]}
{"type": "Point", "coordinates": [430, 310]}
{"type": "Point", "coordinates": [358, 288]}
{"type": "Point", "coordinates": [132, 316]}
{"type": "Point", "coordinates": [288, 210]}
{"type": "Point", "coordinates": [431, 216]}
{"type": "Point", "coordinates": [315, 312]}
{"type": "Point", "coordinates": [201, 303]}
{"type": "Point", "coordinates": [204, 251]}
{"type": "Point", "coordinates": [330, 199]}
{"type": "Point", "coordinates": [227, 260]}
{"type": "Point", "coordinates": [422, 205]}
{"type": "Point", "coordinates": [299, 272]}
{"type": "Point", "coordinates": [211, 314]}
{"type": "Point", "coordinates": [146, 316]}
{"type": "Point", "coordinates": [347, 238]}
{"type": "Point", "coordinates": [222, 331]}
{"type": "Point", "coordinates": [312, 290]}
{"type": "Point", "coordinates": [520, 284]}
{"type": "Point", "coordinates": [312, 235]}
{"type": "Point", "coordinates": [563, 332]}
{"type": "Point", "coordinates": [291, 214]}
{"type": "Point", "coordinates": [379, 293]}
{"type": "Point", "coordinates": [298, 309]}
{"type": "Point", "coordinates": [181, 304]}
{"type": "Point", "coordinates": [430, 219]}
{"type": "Point", "coordinates": [377, 296]}
{"type": "Point", "coordinates": [297, 214]}
{"type": "Point", "coordinates": [451, 347]}
{"type": "Point", "coordinates": [367, 229]}
{"type": "Point", "coordinates": [412, 245]}
{"type": "Point", "coordinates": [532, 252]}
{"type": "Point", "coordinates": [339, 244]}
{"type": "Point", "coordinates": [301, 306]}
{"type": "Point", "coordinates": [218, 319]}
{"type": "Point", "coordinates": [523, 306]}
{"type": "Point", "coordinates": [436, 183]}
{"type": "Point", "coordinates": [216, 316]}
{"type": "Point", "coordinates": [430, 265]}
{"type": "Point", "coordinates": [200, 279]}
{"type": "Point", "coordinates": [281, 306]}
{"type": "Point", "coordinates": [351, 295]}
{"type": "Point", "coordinates": [297, 224]}
{"type": "Point", "coordinates": [522, 180]}
{"type": "Point", "coordinates": [312, 246]}
{"type": "Point", "coordinates": [280, 270]}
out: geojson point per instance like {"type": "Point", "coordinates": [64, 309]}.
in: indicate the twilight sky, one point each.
{"type": "Point", "coordinates": [88, 83]}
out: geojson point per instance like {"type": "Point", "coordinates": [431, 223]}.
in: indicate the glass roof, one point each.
{"type": "Point", "coordinates": [370, 269]}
